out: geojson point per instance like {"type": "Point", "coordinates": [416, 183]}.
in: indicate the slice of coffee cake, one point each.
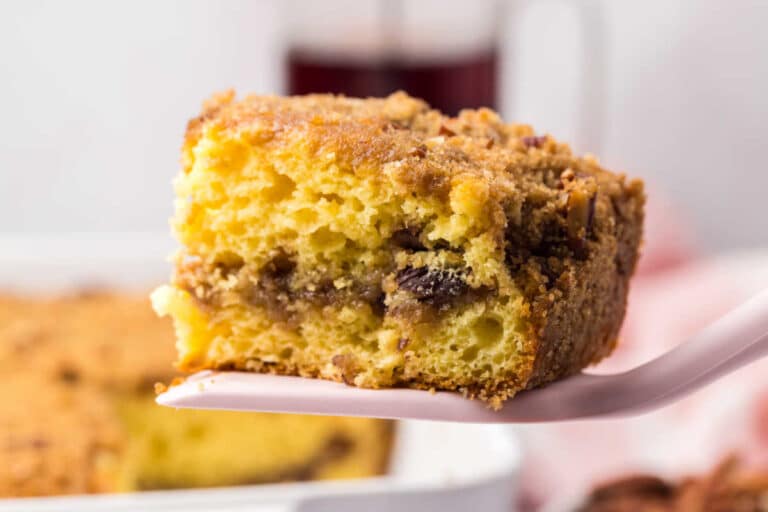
{"type": "Point", "coordinates": [380, 243]}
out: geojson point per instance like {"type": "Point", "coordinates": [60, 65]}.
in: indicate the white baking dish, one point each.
{"type": "Point", "coordinates": [436, 466]}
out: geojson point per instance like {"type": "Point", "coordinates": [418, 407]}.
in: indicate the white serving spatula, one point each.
{"type": "Point", "coordinates": [735, 340]}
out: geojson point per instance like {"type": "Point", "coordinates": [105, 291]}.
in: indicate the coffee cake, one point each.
{"type": "Point", "coordinates": [380, 243]}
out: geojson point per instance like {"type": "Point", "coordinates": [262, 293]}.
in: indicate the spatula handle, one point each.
{"type": "Point", "coordinates": [735, 340]}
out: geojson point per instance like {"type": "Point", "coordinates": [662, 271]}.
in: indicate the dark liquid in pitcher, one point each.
{"type": "Point", "coordinates": [448, 84]}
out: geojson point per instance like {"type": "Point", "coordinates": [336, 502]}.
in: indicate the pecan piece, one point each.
{"type": "Point", "coordinates": [437, 287]}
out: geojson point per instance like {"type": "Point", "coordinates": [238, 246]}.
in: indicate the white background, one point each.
{"type": "Point", "coordinates": [94, 97]}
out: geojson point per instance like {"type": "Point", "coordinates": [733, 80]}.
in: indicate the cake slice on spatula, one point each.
{"type": "Point", "coordinates": [382, 244]}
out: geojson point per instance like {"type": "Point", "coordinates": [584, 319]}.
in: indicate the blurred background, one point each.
{"type": "Point", "coordinates": [94, 99]}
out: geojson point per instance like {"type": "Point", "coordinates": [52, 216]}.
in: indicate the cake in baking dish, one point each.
{"type": "Point", "coordinates": [78, 412]}
{"type": "Point", "coordinates": [380, 243]}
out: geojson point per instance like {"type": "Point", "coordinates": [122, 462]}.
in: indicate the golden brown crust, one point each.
{"type": "Point", "coordinates": [433, 151]}
{"type": "Point", "coordinates": [579, 316]}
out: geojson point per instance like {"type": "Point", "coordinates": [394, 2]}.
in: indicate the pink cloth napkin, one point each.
{"type": "Point", "coordinates": [673, 295]}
